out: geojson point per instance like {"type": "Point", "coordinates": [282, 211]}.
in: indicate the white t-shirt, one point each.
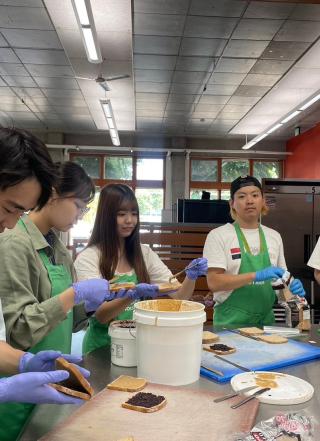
{"type": "Point", "coordinates": [2, 325]}
{"type": "Point", "coordinates": [314, 260]}
{"type": "Point", "coordinates": [223, 251]}
{"type": "Point", "coordinates": [87, 265]}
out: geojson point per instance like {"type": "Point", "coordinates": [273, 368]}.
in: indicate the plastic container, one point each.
{"type": "Point", "coordinates": [169, 340]}
{"type": "Point", "coordinates": [123, 344]}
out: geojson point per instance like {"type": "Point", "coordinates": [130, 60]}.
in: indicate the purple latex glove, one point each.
{"type": "Point", "coordinates": [92, 292]}
{"type": "Point", "coordinates": [33, 387]}
{"type": "Point", "coordinates": [140, 291]}
{"type": "Point", "coordinates": [45, 361]}
{"type": "Point", "coordinates": [196, 268]}
{"type": "Point", "coordinates": [272, 272]}
{"type": "Point", "coordinates": [296, 288]}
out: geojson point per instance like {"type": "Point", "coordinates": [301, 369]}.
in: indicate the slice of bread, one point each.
{"type": "Point", "coordinates": [128, 384]}
{"type": "Point", "coordinates": [219, 351]}
{"type": "Point", "coordinates": [251, 331]}
{"type": "Point", "coordinates": [76, 385]}
{"type": "Point", "coordinates": [141, 397]}
{"type": "Point", "coordinates": [167, 287]}
{"type": "Point", "coordinates": [275, 339]}
{"type": "Point", "coordinates": [115, 287]}
{"type": "Point", "coordinates": [209, 337]}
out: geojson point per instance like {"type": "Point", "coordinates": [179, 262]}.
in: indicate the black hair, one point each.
{"type": "Point", "coordinates": [72, 179]}
{"type": "Point", "coordinates": [23, 156]}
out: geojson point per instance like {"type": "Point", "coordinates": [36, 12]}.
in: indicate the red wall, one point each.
{"type": "Point", "coordinates": [305, 161]}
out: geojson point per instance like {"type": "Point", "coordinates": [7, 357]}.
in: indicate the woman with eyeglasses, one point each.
{"type": "Point", "coordinates": [114, 249]}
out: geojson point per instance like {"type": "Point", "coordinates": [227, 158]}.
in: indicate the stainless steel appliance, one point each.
{"type": "Point", "coordinates": [294, 206]}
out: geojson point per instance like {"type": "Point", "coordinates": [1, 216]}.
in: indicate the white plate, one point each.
{"type": "Point", "coordinates": [289, 390]}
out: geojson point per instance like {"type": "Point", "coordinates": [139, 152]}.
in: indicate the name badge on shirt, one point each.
{"type": "Point", "coordinates": [235, 253]}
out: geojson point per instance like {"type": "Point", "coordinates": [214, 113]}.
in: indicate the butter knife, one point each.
{"type": "Point", "coordinates": [256, 394]}
{"type": "Point", "coordinates": [245, 369]}
{"type": "Point", "coordinates": [234, 394]}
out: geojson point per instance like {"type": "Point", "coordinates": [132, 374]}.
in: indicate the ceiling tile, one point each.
{"type": "Point", "coordinates": [64, 110]}
{"type": "Point", "coordinates": [155, 62]}
{"type": "Point", "coordinates": [25, 18]}
{"type": "Point", "coordinates": [227, 78]}
{"type": "Point", "coordinates": [156, 45]}
{"type": "Point", "coordinates": [2, 83]}
{"type": "Point", "coordinates": [306, 12]}
{"type": "Point", "coordinates": [56, 83]}
{"type": "Point", "coordinates": [158, 24]}
{"type": "Point", "coordinates": [153, 97]}
{"type": "Point", "coordinates": [143, 105]}
{"type": "Point", "coordinates": [244, 100]}
{"type": "Point", "coordinates": [220, 89]}
{"type": "Point", "coordinates": [146, 86]}
{"type": "Point", "coordinates": [204, 115]}
{"type": "Point", "coordinates": [17, 81]}
{"type": "Point", "coordinates": [305, 78]}
{"type": "Point", "coordinates": [26, 38]}
{"type": "Point", "coordinates": [214, 99]}
{"type": "Point", "coordinates": [271, 67]}
{"type": "Point", "coordinates": [231, 116]}
{"type": "Point", "coordinates": [61, 101]}
{"type": "Point", "coordinates": [209, 107]}
{"type": "Point", "coordinates": [31, 92]}
{"type": "Point", "coordinates": [46, 70]}
{"type": "Point", "coordinates": [62, 93]}
{"type": "Point", "coordinates": [284, 50]}
{"type": "Point", "coordinates": [13, 69]}
{"type": "Point", "coordinates": [42, 56]}
{"type": "Point", "coordinates": [162, 7]}
{"type": "Point", "coordinates": [188, 77]}
{"type": "Point", "coordinates": [239, 65]}
{"type": "Point", "coordinates": [245, 48]}
{"type": "Point", "coordinates": [149, 112]}
{"type": "Point", "coordinates": [217, 8]}
{"type": "Point", "coordinates": [261, 9]}
{"type": "Point", "coordinates": [195, 64]}
{"type": "Point", "coordinates": [25, 3]}
{"type": "Point", "coordinates": [5, 91]}
{"type": "Point", "coordinates": [260, 80]}
{"type": "Point", "coordinates": [185, 88]}
{"type": "Point", "coordinates": [3, 42]}
{"type": "Point", "coordinates": [154, 75]}
{"type": "Point", "coordinates": [230, 108]}
{"type": "Point", "coordinates": [299, 31]}
{"type": "Point", "coordinates": [209, 27]}
{"type": "Point", "coordinates": [8, 56]}
{"type": "Point", "coordinates": [178, 98]}
{"type": "Point", "coordinates": [207, 47]}
{"type": "Point", "coordinates": [255, 29]}
{"type": "Point", "coordinates": [251, 90]}
{"type": "Point", "coordinates": [179, 106]}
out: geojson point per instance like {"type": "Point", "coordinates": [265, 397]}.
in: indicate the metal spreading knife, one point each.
{"type": "Point", "coordinates": [233, 364]}
{"type": "Point", "coordinates": [256, 394]}
{"type": "Point", "coordinates": [234, 394]}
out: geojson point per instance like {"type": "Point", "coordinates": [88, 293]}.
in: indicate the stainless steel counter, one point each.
{"type": "Point", "coordinates": [98, 362]}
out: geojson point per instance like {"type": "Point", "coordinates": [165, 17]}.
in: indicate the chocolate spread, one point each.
{"type": "Point", "coordinates": [220, 347]}
{"type": "Point", "coordinates": [145, 399]}
{"type": "Point", "coordinates": [126, 324]}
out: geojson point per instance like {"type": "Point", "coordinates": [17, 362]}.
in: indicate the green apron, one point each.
{"type": "Point", "coordinates": [97, 333]}
{"type": "Point", "coordinates": [14, 416]}
{"type": "Point", "coordinates": [252, 304]}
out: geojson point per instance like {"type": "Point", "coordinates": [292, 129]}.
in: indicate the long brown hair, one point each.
{"type": "Point", "coordinates": [113, 198]}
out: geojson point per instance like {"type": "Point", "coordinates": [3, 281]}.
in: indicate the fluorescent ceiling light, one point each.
{"type": "Point", "coordinates": [261, 137]}
{"type": "Point", "coordinates": [274, 128]}
{"type": "Point", "coordinates": [309, 103]}
{"type": "Point", "coordinates": [84, 16]}
{"type": "Point", "coordinates": [289, 117]}
{"type": "Point", "coordinates": [108, 113]}
{"type": "Point", "coordinates": [249, 145]}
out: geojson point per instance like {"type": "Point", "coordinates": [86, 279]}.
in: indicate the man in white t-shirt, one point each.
{"type": "Point", "coordinates": [243, 258]}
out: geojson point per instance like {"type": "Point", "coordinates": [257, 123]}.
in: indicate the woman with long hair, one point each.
{"type": "Point", "coordinates": [243, 258]}
{"type": "Point", "coordinates": [114, 249]}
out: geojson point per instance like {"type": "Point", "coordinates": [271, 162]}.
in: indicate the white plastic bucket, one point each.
{"type": "Point", "coordinates": [123, 345]}
{"type": "Point", "coordinates": [169, 340]}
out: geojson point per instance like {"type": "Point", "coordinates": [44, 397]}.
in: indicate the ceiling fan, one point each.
{"type": "Point", "coordinates": [103, 82]}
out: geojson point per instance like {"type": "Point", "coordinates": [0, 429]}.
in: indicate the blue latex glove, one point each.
{"type": "Point", "coordinates": [45, 361]}
{"type": "Point", "coordinates": [199, 268]}
{"type": "Point", "coordinates": [140, 291]}
{"type": "Point", "coordinates": [33, 387]}
{"type": "Point", "coordinates": [296, 288]}
{"type": "Point", "coordinates": [272, 272]}
{"type": "Point", "coordinates": [92, 292]}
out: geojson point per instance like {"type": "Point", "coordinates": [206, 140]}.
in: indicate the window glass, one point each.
{"type": "Point", "coordinates": [204, 170]}
{"type": "Point", "coordinates": [232, 169]}
{"type": "Point", "coordinates": [151, 169]}
{"type": "Point", "coordinates": [150, 202]}
{"type": "Point", "coordinates": [225, 194]}
{"type": "Point", "coordinates": [118, 168]}
{"type": "Point", "coordinates": [83, 228]}
{"type": "Point", "coordinates": [196, 193]}
{"type": "Point", "coordinates": [263, 169]}
{"type": "Point", "coordinates": [91, 165]}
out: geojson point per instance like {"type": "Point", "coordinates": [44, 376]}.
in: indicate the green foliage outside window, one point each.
{"type": "Point", "coordinates": [118, 168]}
{"type": "Point", "coordinates": [90, 164]}
{"type": "Point", "coordinates": [266, 169]}
{"type": "Point", "coordinates": [204, 170]}
{"type": "Point", "coordinates": [150, 202]}
{"type": "Point", "coordinates": [232, 169]}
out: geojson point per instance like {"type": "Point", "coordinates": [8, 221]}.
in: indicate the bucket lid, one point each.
{"type": "Point", "coordinates": [169, 305]}
{"type": "Point", "coordinates": [122, 329]}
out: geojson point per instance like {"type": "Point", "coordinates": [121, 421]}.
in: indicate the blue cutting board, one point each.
{"type": "Point", "coordinates": [255, 355]}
